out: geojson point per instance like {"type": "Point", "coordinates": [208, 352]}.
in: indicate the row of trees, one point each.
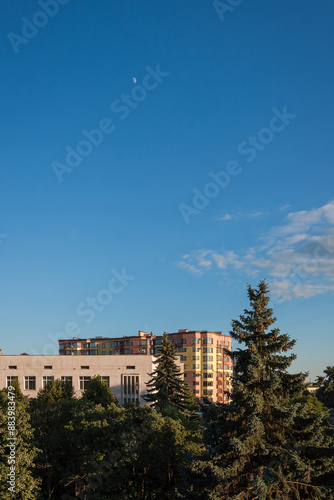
{"type": "Point", "coordinates": [271, 442]}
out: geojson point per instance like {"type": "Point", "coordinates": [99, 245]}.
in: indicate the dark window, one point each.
{"type": "Point", "coordinates": [12, 367]}
{"type": "Point", "coordinates": [48, 367]}
{"type": "Point", "coordinates": [85, 368]}
{"type": "Point", "coordinates": [30, 383]}
{"type": "Point", "coordinates": [130, 367]}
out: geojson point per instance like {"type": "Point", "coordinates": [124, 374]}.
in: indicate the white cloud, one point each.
{"type": "Point", "coordinates": [256, 213]}
{"type": "Point", "coordinates": [226, 217]}
{"type": "Point", "coordinates": [297, 257]}
{"type": "Point", "coordinates": [189, 267]}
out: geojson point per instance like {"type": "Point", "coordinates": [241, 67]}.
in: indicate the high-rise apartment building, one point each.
{"type": "Point", "coordinates": [207, 370]}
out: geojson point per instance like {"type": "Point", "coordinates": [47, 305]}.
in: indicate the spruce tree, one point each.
{"type": "Point", "coordinates": [167, 387]}
{"type": "Point", "coordinates": [15, 429]}
{"type": "Point", "coordinates": [266, 444]}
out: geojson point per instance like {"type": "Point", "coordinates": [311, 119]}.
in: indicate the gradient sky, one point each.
{"type": "Point", "coordinates": [183, 92]}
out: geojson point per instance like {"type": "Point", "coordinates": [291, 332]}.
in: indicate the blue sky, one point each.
{"type": "Point", "coordinates": [156, 157]}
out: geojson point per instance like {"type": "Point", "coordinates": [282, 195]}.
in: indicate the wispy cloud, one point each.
{"type": "Point", "coordinates": [256, 213]}
{"type": "Point", "coordinates": [297, 257]}
{"type": "Point", "coordinates": [226, 217]}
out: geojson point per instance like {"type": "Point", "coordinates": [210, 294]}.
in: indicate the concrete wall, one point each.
{"type": "Point", "coordinates": [114, 367]}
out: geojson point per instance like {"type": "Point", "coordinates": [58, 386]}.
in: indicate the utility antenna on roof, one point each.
{"type": "Point", "coordinates": [146, 328]}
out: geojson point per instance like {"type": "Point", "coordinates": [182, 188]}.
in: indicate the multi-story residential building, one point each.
{"type": "Point", "coordinates": [207, 370]}
{"type": "Point", "coordinates": [126, 376]}
{"type": "Point", "coordinates": [141, 344]}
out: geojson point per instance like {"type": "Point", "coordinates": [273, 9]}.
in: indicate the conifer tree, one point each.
{"type": "Point", "coordinates": [266, 444]}
{"type": "Point", "coordinates": [18, 458]}
{"type": "Point", "coordinates": [167, 387]}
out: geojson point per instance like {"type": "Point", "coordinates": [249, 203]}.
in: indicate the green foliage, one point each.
{"type": "Point", "coordinates": [26, 486]}
{"type": "Point", "coordinates": [325, 393]}
{"type": "Point", "coordinates": [98, 392]}
{"type": "Point", "coordinates": [266, 444]}
{"type": "Point", "coordinates": [167, 387]}
{"type": "Point", "coordinates": [313, 402]}
{"type": "Point", "coordinates": [98, 453]}
{"type": "Point", "coordinates": [55, 391]}
{"type": "Point", "coordinates": [147, 457]}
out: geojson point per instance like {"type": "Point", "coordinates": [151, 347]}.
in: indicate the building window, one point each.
{"type": "Point", "coordinates": [67, 379]}
{"type": "Point", "coordinates": [104, 352]}
{"type": "Point", "coordinates": [208, 349]}
{"type": "Point", "coordinates": [184, 341]}
{"type": "Point", "coordinates": [85, 353]}
{"type": "Point", "coordinates": [130, 389]}
{"type": "Point", "coordinates": [195, 382]}
{"type": "Point", "coordinates": [130, 367]}
{"type": "Point", "coordinates": [111, 344]}
{"type": "Point", "coordinates": [195, 367]}
{"type": "Point", "coordinates": [128, 351]}
{"type": "Point", "coordinates": [30, 383]}
{"type": "Point", "coordinates": [104, 345]}
{"type": "Point", "coordinates": [142, 351]}
{"type": "Point", "coordinates": [93, 352]}
{"type": "Point", "coordinates": [12, 367]}
{"type": "Point", "coordinates": [85, 367]}
{"type": "Point", "coordinates": [227, 343]}
{"type": "Point", "coordinates": [195, 358]}
{"type": "Point", "coordinates": [86, 345]}
{"type": "Point", "coordinates": [142, 342]}
{"type": "Point", "coordinates": [226, 367]}
{"type": "Point", "coordinates": [10, 379]}
{"type": "Point", "coordinates": [68, 345]}
{"type": "Point", "coordinates": [158, 342]}
{"type": "Point", "coordinates": [226, 359]}
{"type": "Point", "coordinates": [207, 384]}
{"type": "Point", "coordinates": [128, 342]}
{"type": "Point", "coordinates": [183, 358]}
{"type": "Point", "coordinates": [48, 367]}
{"type": "Point", "coordinates": [111, 353]}
{"type": "Point", "coordinates": [208, 341]}
{"type": "Point", "coordinates": [106, 380]}
{"type": "Point", "coordinates": [207, 367]}
{"type": "Point", "coordinates": [195, 341]}
{"type": "Point", "coordinates": [207, 392]}
{"type": "Point", "coordinates": [207, 375]}
{"type": "Point", "coordinates": [46, 381]}
{"type": "Point", "coordinates": [83, 382]}
{"type": "Point", "coordinates": [93, 344]}
{"type": "Point", "coordinates": [195, 349]}
{"type": "Point", "coordinates": [207, 358]}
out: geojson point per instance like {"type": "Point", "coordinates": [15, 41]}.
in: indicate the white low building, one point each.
{"type": "Point", "coordinates": [126, 375]}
